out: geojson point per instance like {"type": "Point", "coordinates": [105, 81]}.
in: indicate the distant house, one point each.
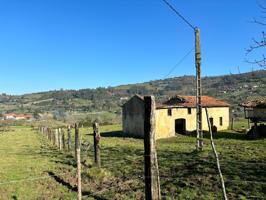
{"type": "Point", "coordinates": [176, 115]}
{"type": "Point", "coordinates": [13, 116]}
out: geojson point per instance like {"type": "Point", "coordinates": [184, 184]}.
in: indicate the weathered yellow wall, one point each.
{"type": "Point", "coordinates": [165, 125]}
{"type": "Point", "coordinates": [215, 113]}
{"type": "Point", "coordinates": [133, 117]}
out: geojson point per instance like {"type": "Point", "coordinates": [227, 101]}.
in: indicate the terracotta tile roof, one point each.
{"type": "Point", "coordinates": [255, 103]}
{"type": "Point", "coordinates": [17, 115]}
{"type": "Point", "coordinates": [190, 101]}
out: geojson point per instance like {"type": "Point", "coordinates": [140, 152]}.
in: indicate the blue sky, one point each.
{"type": "Point", "coordinates": [74, 44]}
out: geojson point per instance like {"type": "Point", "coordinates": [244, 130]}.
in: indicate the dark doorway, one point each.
{"type": "Point", "coordinates": [211, 122]}
{"type": "Point", "coordinates": [180, 126]}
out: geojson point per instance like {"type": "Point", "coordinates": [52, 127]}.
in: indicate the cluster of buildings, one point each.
{"type": "Point", "coordinates": [14, 117]}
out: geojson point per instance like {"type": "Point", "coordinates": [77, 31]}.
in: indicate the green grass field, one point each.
{"type": "Point", "coordinates": [31, 168]}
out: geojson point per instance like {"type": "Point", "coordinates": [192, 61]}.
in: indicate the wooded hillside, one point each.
{"type": "Point", "coordinates": [233, 88]}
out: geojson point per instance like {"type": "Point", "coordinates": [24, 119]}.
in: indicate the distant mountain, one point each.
{"type": "Point", "coordinates": [233, 88]}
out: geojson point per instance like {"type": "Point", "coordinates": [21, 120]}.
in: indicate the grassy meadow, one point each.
{"type": "Point", "coordinates": [32, 168]}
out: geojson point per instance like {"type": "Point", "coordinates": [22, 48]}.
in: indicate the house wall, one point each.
{"type": "Point", "coordinates": [216, 113]}
{"type": "Point", "coordinates": [133, 117]}
{"type": "Point", "coordinates": [165, 125]}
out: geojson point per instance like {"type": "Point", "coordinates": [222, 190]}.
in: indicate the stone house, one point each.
{"type": "Point", "coordinates": [176, 115]}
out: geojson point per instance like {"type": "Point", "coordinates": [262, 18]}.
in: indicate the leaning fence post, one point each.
{"type": "Point", "coordinates": [96, 139]}
{"type": "Point", "coordinates": [216, 156]}
{"type": "Point", "coordinates": [77, 149]}
{"type": "Point", "coordinates": [152, 179]}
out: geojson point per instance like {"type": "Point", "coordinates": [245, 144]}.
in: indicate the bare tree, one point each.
{"type": "Point", "coordinates": [259, 44]}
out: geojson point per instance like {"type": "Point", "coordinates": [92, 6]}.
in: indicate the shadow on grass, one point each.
{"type": "Point", "coordinates": [72, 188]}
{"type": "Point", "coordinates": [120, 134]}
{"type": "Point", "coordinates": [223, 135]}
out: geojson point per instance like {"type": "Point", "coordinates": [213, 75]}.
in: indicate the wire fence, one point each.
{"type": "Point", "coordinates": [87, 148]}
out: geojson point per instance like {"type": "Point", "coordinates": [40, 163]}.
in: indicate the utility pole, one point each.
{"type": "Point", "coordinates": [199, 143]}
{"type": "Point", "coordinates": [199, 90]}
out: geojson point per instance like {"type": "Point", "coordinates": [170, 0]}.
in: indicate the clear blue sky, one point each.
{"type": "Point", "coordinates": [74, 44]}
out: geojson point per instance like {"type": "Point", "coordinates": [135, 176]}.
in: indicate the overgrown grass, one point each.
{"type": "Point", "coordinates": [184, 173]}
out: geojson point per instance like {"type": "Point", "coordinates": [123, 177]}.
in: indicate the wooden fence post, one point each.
{"type": "Point", "coordinates": [53, 137]}
{"type": "Point", "coordinates": [60, 138]}
{"type": "Point", "coordinates": [76, 139]}
{"type": "Point", "coordinates": [68, 137]}
{"type": "Point", "coordinates": [96, 139]}
{"type": "Point", "coordinates": [77, 149]}
{"type": "Point", "coordinates": [63, 139]}
{"type": "Point", "coordinates": [56, 137]}
{"type": "Point", "coordinates": [152, 179]}
{"type": "Point", "coordinates": [49, 134]}
{"type": "Point", "coordinates": [46, 133]}
{"type": "Point", "coordinates": [232, 123]}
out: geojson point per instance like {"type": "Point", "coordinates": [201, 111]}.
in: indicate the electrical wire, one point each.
{"type": "Point", "coordinates": [178, 14]}
{"type": "Point", "coordinates": [179, 62]}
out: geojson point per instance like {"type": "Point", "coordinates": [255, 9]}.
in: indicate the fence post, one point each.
{"type": "Point", "coordinates": [152, 179]}
{"type": "Point", "coordinates": [53, 137]}
{"type": "Point", "coordinates": [63, 139]}
{"type": "Point", "coordinates": [96, 139]}
{"type": "Point", "coordinates": [60, 138]}
{"type": "Point", "coordinates": [49, 134]}
{"type": "Point", "coordinates": [46, 133]}
{"type": "Point", "coordinates": [77, 149]}
{"type": "Point", "coordinates": [56, 137]}
{"type": "Point", "coordinates": [76, 139]}
{"type": "Point", "coordinates": [68, 137]}
{"type": "Point", "coordinates": [232, 123]}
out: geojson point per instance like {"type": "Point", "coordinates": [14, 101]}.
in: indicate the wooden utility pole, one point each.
{"type": "Point", "coordinates": [77, 149]}
{"type": "Point", "coordinates": [199, 90]}
{"type": "Point", "coordinates": [96, 139]}
{"type": "Point", "coordinates": [152, 179]}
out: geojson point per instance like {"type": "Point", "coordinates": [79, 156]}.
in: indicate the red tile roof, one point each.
{"type": "Point", "coordinates": [190, 101]}
{"type": "Point", "coordinates": [17, 115]}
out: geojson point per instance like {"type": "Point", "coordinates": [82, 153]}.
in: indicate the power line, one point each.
{"type": "Point", "coordinates": [178, 14]}
{"type": "Point", "coordinates": [179, 62]}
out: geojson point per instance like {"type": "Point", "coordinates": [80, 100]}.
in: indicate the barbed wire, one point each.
{"type": "Point", "coordinates": [31, 179]}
